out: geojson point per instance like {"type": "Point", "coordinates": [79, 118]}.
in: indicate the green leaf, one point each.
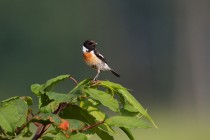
{"type": "Point", "coordinates": [50, 101]}
{"type": "Point", "coordinates": [75, 112]}
{"type": "Point", "coordinates": [46, 118]}
{"type": "Point", "coordinates": [104, 135]}
{"type": "Point", "coordinates": [26, 132]}
{"type": "Point", "coordinates": [9, 99]}
{"type": "Point", "coordinates": [91, 108]}
{"type": "Point", "coordinates": [78, 136]}
{"type": "Point", "coordinates": [129, 102]}
{"type": "Point", "coordinates": [60, 136]}
{"type": "Point", "coordinates": [128, 133]}
{"type": "Point", "coordinates": [129, 107]}
{"type": "Point", "coordinates": [133, 102]}
{"type": "Point", "coordinates": [104, 98]}
{"type": "Point", "coordinates": [49, 118]}
{"type": "Point", "coordinates": [50, 83]}
{"type": "Point", "coordinates": [27, 99]}
{"type": "Point", "coordinates": [47, 105]}
{"type": "Point", "coordinates": [62, 98]}
{"type": "Point", "coordinates": [79, 88]}
{"type": "Point", "coordinates": [46, 137]}
{"type": "Point", "coordinates": [51, 107]}
{"type": "Point", "coordinates": [37, 89]}
{"type": "Point", "coordinates": [124, 112]}
{"type": "Point", "coordinates": [111, 85]}
{"type": "Point", "coordinates": [127, 122]}
{"type": "Point", "coordinates": [75, 124]}
{"type": "Point", "coordinates": [13, 114]}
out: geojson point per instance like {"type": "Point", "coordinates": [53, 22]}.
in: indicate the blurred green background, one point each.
{"type": "Point", "coordinates": [160, 48]}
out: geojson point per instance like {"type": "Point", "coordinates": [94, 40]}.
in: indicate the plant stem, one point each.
{"type": "Point", "coordinates": [75, 81]}
{"type": "Point", "coordinates": [91, 126]}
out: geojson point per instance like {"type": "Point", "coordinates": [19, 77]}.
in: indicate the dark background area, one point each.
{"type": "Point", "coordinates": [160, 48]}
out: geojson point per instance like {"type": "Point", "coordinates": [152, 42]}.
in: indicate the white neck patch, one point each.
{"type": "Point", "coordinates": [84, 49]}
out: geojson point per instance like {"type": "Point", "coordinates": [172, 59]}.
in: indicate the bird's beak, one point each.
{"type": "Point", "coordinates": [96, 43]}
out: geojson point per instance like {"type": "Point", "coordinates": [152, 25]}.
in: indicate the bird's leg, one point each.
{"type": "Point", "coordinates": [95, 78]}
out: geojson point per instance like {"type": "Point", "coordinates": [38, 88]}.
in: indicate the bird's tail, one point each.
{"type": "Point", "coordinates": [115, 73]}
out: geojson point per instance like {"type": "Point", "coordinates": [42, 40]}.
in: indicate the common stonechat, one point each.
{"type": "Point", "coordinates": [93, 58]}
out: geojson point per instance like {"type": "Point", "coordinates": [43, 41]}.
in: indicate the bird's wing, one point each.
{"type": "Point", "coordinates": [97, 53]}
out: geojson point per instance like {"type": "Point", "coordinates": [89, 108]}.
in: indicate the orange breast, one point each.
{"type": "Point", "coordinates": [87, 56]}
{"type": "Point", "coordinates": [90, 59]}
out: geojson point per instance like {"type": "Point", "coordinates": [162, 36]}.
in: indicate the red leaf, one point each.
{"type": "Point", "coordinates": [64, 125]}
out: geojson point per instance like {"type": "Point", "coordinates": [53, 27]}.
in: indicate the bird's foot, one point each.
{"type": "Point", "coordinates": [94, 81]}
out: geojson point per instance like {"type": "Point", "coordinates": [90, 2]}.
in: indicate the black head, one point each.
{"type": "Point", "coordinates": [90, 44]}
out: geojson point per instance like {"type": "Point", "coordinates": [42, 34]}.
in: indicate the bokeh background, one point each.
{"type": "Point", "coordinates": [160, 48]}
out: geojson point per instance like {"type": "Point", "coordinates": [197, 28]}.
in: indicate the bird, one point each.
{"type": "Point", "coordinates": [93, 58]}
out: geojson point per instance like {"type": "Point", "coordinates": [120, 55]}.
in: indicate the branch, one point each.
{"type": "Point", "coordinates": [91, 126]}
{"type": "Point", "coordinates": [75, 81]}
